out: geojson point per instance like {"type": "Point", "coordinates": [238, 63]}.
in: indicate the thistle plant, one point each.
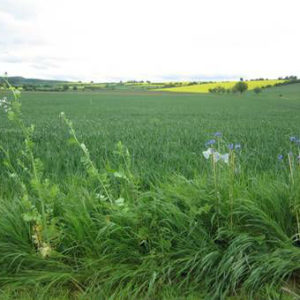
{"type": "Point", "coordinates": [37, 196]}
{"type": "Point", "coordinates": [87, 162]}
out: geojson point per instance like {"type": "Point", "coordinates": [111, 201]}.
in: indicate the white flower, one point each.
{"type": "Point", "coordinates": [208, 152]}
{"type": "Point", "coordinates": [225, 157]}
{"type": "Point", "coordinates": [100, 197]}
{"type": "Point", "coordinates": [5, 104]}
{"type": "Point", "coordinates": [45, 250]}
{"type": "Point", "coordinates": [216, 156]}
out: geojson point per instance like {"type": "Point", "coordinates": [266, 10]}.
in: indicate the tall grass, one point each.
{"type": "Point", "coordinates": [103, 232]}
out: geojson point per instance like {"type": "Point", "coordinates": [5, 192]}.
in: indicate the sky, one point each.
{"type": "Point", "coordinates": [157, 40]}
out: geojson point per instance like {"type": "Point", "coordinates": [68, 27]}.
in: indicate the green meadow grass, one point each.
{"type": "Point", "coordinates": [158, 221]}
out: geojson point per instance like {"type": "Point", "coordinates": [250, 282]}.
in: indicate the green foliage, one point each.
{"type": "Point", "coordinates": [257, 90]}
{"type": "Point", "coordinates": [65, 87]}
{"type": "Point", "coordinates": [218, 90]}
{"type": "Point", "coordinates": [240, 87]}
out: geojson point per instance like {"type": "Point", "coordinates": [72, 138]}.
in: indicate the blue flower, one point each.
{"type": "Point", "coordinates": [280, 157]}
{"type": "Point", "coordinates": [218, 134]}
{"type": "Point", "coordinates": [210, 142]}
{"type": "Point", "coordinates": [237, 147]}
{"type": "Point", "coordinates": [230, 146]}
{"type": "Point", "coordinates": [293, 139]}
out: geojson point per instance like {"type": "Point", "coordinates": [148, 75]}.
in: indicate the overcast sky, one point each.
{"type": "Point", "coordinates": [156, 40]}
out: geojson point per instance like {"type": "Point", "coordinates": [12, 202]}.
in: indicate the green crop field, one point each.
{"type": "Point", "coordinates": [115, 199]}
{"type": "Point", "coordinates": [205, 87]}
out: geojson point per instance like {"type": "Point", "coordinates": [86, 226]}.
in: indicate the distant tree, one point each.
{"type": "Point", "coordinates": [257, 90]}
{"type": "Point", "coordinates": [74, 88]}
{"type": "Point", "coordinates": [25, 87]}
{"type": "Point", "coordinates": [240, 87]}
{"type": "Point", "coordinates": [217, 90]}
{"type": "Point", "coordinates": [65, 87]}
{"type": "Point", "coordinates": [241, 79]}
{"type": "Point", "coordinates": [28, 87]}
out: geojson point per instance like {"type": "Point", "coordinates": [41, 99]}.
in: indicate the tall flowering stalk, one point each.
{"type": "Point", "coordinates": [215, 157]}
{"type": "Point", "coordinates": [86, 159]}
{"type": "Point", "coordinates": [38, 216]}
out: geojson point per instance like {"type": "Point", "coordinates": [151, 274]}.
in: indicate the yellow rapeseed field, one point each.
{"type": "Point", "coordinates": [204, 87]}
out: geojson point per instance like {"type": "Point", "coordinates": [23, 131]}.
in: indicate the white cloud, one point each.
{"type": "Point", "coordinates": [158, 39]}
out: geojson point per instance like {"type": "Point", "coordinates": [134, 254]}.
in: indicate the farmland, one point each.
{"type": "Point", "coordinates": [205, 87]}
{"type": "Point", "coordinates": [114, 199]}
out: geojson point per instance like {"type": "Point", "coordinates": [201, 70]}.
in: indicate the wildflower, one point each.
{"type": "Point", "coordinates": [100, 197]}
{"type": "Point", "coordinates": [5, 104]}
{"type": "Point", "coordinates": [280, 157]}
{"type": "Point", "coordinates": [293, 139]}
{"type": "Point", "coordinates": [237, 147]}
{"type": "Point", "coordinates": [225, 158]}
{"type": "Point", "coordinates": [3, 101]}
{"type": "Point", "coordinates": [210, 142]}
{"type": "Point", "coordinates": [208, 152]}
{"type": "Point", "coordinates": [298, 157]}
{"type": "Point", "coordinates": [218, 134]}
{"type": "Point", "coordinates": [216, 156]}
{"type": "Point", "coordinates": [45, 250]}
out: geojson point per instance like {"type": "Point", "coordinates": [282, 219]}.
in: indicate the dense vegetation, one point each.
{"type": "Point", "coordinates": [121, 203]}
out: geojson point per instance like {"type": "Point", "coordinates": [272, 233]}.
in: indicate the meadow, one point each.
{"type": "Point", "coordinates": [205, 87]}
{"type": "Point", "coordinates": [115, 199]}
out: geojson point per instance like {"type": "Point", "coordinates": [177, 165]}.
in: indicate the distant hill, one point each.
{"type": "Point", "coordinates": [18, 81]}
